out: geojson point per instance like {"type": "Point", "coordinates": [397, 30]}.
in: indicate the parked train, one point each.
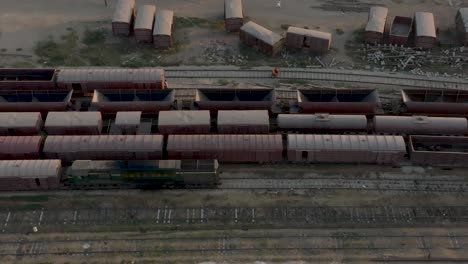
{"type": "Point", "coordinates": [229, 122]}
{"type": "Point", "coordinates": [134, 161]}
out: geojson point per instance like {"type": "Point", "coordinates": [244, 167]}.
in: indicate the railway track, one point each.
{"type": "Point", "coordinates": [384, 185]}
{"type": "Point", "coordinates": [322, 75]}
{"type": "Point", "coordinates": [89, 220]}
{"type": "Point", "coordinates": [233, 243]}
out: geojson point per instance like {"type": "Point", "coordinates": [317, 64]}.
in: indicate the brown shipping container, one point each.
{"type": "Point", "coordinates": [425, 30]}
{"type": "Point", "coordinates": [234, 99]}
{"type": "Point", "coordinates": [322, 122]}
{"type": "Point", "coordinates": [184, 122]}
{"type": "Point", "coordinates": [122, 20]}
{"type": "Point", "coordinates": [439, 151]}
{"type": "Point", "coordinates": [20, 124]}
{"type": "Point", "coordinates": [400, 30]}
{"type": "Point", "coordinates": [420, 125]}
{"type": "Point", "coordinates": [73, 123]}
{"type": "Point", "coordinates": [349, 101]}
{"type": "Point", "coordinates": [104, 147]}
{"type": "Point", "coordinates": [261, 39]}
{"type": "Point", "coordinates": [89, 79]}
{"type": "Point", "coordinates": [312, 40]}
{"type": "Point", "coordinates": [346, 149]}
{"type": "Point", "coordinates": [27, 79]}
{"type": "Point", "coordinates": [243, 122]}
{"type": "Point", "coordinates": [375, 28]}
{"type": "Point", "coordinates": [233, 15]}
{"type": "Point", "coordinates": [229, 148]}
{"type": "Point", "coordinates": [163, 27]}
{"type": "Point", "coordinates": [20, 147]}
{"type": "Point", "coordinates": [147, 101]}
{"type": "Point", "coordinates": [435, 102]}
{"type": "Point", "coordinates": [16, 175]}
{"type": "Point", "coordinates": [144, 23]}
{"type": "Point", "coordinates": [35, 101]}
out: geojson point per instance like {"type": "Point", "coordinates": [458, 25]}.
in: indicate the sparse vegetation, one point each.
{"type": "Point", "coordinates": [94, 37]}
{"type": "Point", "coordinates": [285, 26]}
{"type": "Point", "coordinates": [339, 31]}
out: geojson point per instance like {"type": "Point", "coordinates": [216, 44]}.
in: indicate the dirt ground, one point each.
{"type": "Point", "coordinates": [199, 34]}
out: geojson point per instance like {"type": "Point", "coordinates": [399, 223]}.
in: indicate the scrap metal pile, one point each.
{"type": "Point", "coordinates": [405, 58]}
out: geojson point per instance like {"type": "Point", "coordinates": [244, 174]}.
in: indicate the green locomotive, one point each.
{"type": "Point", "coordinates": [142, 174]}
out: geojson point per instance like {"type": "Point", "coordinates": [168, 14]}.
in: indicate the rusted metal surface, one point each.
{"type": "Point", "coordinates": [425, 31]}
{"type": "Point", "coordinates": [20, 147]}
{"type": "Point", "coordinates": [349, 101]}
{"type": "Point", "coordinates": [184, 122]}
{"type": "Point", "coordinates": [27, 79]}
{"type": "Point", "coordinates": [148, 101]}
{"type": "Point", "coordinates": [73, 123]}
{"type": "Point", "coordinates": [420, 125]}
{"type": "Point", "coordinates": [243, 122]}
{"type": "Point", "coordinates": [260, 38]}
{"type": "Point", "coordinates": [375, 28]}
{"type": "Point", "coordinates": [439, 151]}
{"type": "Point", "coordinates": [18, 175]}
{"type": "Point", "coordinates": [231, 148]}
{"type": "Point", "coordinates": [143, 28]}
{"type": "Point", "coordinates": [235, 99]}
{"type": "Point", "coordinates": [400, 30]}
{"type": "Point", "coordinates": [322, 122]}
{"type": "Point", "coordinates": [435, 102]}
{"type": "Point", "coordinates": [163, 26]}
{"type": "Point", "coordinates": [233, 15]}
{"type": "Point", "coordinates": [89, 79]}
{"type": "Point", "coordinates": [35, 101]}
{"type": "Point", "coordinates": [312, 40]}
{"type": "Point", "coordinates": [346, 149]}
{"type": "Point", "coordinates": [122, 19]}
{"type": "Point", "coordinates": [18, 123]}
{"type": "Point", "coordinates": [104, 147]}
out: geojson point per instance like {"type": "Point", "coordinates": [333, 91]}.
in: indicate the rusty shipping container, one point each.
{"type": "Point", "coordinates": [35, 101]}
{"type": "Point", "coordinates": [184, 122]}
{"type": "Point", "coordinates": [375, 28]}
{"type": "Point", "coordinates": [243, 122]}
{"type": "Point", "coordinates": [233, 15]}
{"type": "Point", "coordinates": [425, 30]}
{"type": "Point", "coordinates": [346, 149]}
{"type": "Point", "coordinates": [234, 99]}
{"type": "Point", "coordinates": [147, 101]}
{"type": "Point", "coordinates": [73, 123]}
{"type": "Point", "coordinates": [20, 147]}
{"type": "Point", "coordinates": [461, 22]}
{"type": "Point", "coordinates": [122, 20]}
{"type": "Point", "coordinates": [444, 151]}
{"type": "Point", "coordinates": [89, 79]}
{"type": "Point", "coordinates": [27, 79]}
{"type": "Point", "coordinates": [144, 21]}
{"type": "Point", "coordinates": [307, 39]}
{"type": "Point", "coordinates": [260, 38]}
{"type": "Point", "coordinates": [348, 101]}
{"type": "Point", "coordinates": [104, 147]}
{"type": "Point", "coordinates": [29, 175]}
{"type": "Point", "coordinates": [400, 30]}
{"type": "Point", "coordinates": [435, 102]}
{"type": "Point", "coordinates": [420, 125]}
{"type": "Point", "coordinates": [20, 123]}
{"type": "Point", "coordinates": [228, 148]}
{"type": "Point", "coordinates": [163, 27]}
{"type": "Point", "coordinates": [322, 123]}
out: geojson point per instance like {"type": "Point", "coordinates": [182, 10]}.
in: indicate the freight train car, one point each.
{"type": "Point", "coordinates": [144, 174]}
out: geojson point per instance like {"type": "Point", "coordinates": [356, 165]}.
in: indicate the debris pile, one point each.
{"type": "Point", "coordinates": [404, 58]}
